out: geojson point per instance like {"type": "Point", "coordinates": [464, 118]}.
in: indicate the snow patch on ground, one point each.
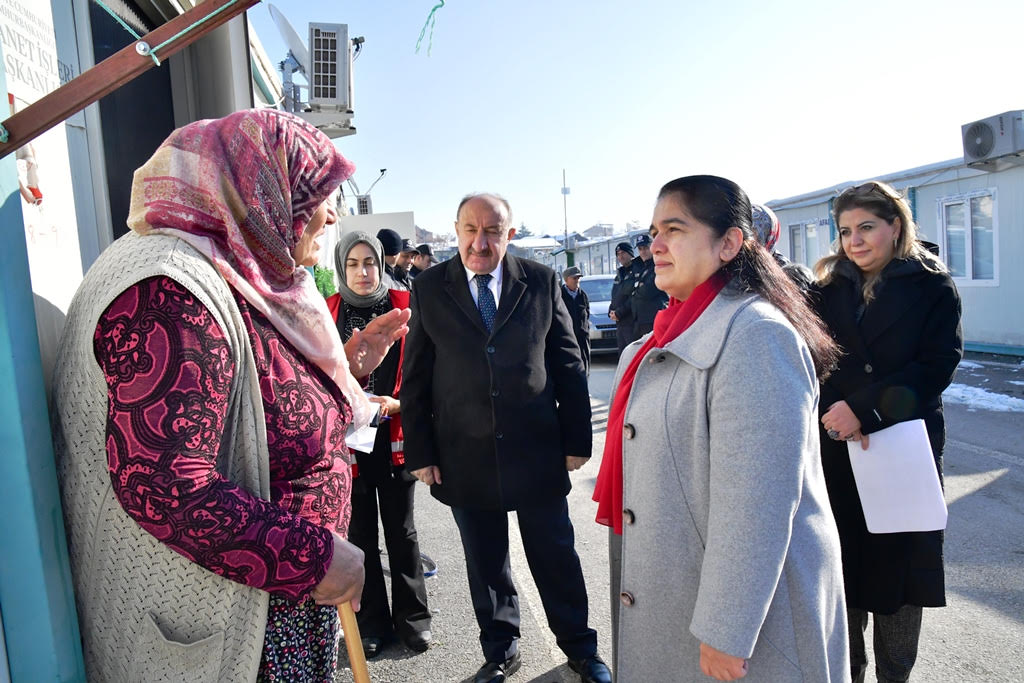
{"type": "Point", "coordinates": [970, 365]}
{"type": "Point", "coordinates": [980, 399]}
{"type": "Point", "coordinates": [1017, 382]}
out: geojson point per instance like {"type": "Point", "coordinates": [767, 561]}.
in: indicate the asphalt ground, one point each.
{"type": "Point", "coordinates": [978, 637]}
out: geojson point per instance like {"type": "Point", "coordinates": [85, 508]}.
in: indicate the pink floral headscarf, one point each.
{"type": "Point", "coordinates": [241, 190]}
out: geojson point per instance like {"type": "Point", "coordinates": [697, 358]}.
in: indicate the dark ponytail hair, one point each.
{"type": "Point", "coordinates": [721, 204]}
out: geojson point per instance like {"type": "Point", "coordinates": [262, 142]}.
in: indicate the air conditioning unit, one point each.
{"type": "Point", "coordinates": [363, 204]}
{"type": "Point", "coordinates": [996, 141]}
{"type": "Point", "coordinates": [330, 64]}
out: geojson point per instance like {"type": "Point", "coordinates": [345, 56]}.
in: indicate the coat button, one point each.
{"type": "Point", "coordinates": [629, 430]}
{"type": "Point", "coordinates": [494, 392]}
{"type": "Point", "coordinates": [868, 369]}
{"type": "Point", "coordinates": [628, 516]}
{"type": "Point", "coordinates": [498, 436]}
{"type": "Point", "coordinates": [626, 598]}
{"type": "Point", "coordinates": [490, 349]}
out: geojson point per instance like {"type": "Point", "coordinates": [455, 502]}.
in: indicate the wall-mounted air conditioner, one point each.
{"type": "Point", "coordinates": [997, 140]}
{"type": "Point", "coordinates": [330, 62]}
{"type": "Point", "coordinates": [363, 204]}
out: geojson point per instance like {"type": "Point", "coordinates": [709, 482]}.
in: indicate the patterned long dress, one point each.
{"type": "Point", "coordinates": [168, 371]}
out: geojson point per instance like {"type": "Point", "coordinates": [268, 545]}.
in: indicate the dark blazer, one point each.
{"type": "Point", "coordinates": [579, 311]}
{"type": "Point", "coordinates": [497, 412]}
{"type": "Point", "coordinates": [897, 361]}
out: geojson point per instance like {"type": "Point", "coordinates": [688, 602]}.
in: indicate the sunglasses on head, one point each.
{"type": "Point", "coordinates": [868, 188]}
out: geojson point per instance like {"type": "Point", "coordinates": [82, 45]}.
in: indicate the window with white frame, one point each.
{"type": "Point", "coordinates": [969, 235]}
{"type": "Point", "coordinates": [803, 242]}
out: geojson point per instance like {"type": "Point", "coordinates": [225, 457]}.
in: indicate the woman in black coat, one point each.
{"type": "Point", "coordinates": [896, 313]}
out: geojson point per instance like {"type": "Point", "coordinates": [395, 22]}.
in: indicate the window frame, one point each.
{"type": "Point", "coordinates": [965, 198]}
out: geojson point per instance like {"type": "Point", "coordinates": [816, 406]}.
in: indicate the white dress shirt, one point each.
{"type": "Point", "coordinates": [494, 285]}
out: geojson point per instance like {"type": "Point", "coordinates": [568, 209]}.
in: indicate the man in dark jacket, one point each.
{"type": "Point", "coordinates": [496, 413]}
{"type": "Point", "coordinates": [578, 305]}
{"type": "Point", "coordinates": [646, 299]}
{"type": "Point", "coordinates": [393, 276]}
{"type": "Point", "coordinates": [424, 259]}
{"type": "Point", "coordinates": [620, 309]}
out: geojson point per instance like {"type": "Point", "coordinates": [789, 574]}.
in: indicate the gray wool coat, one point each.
{"type": "Point", "coordinates": [728, 537]}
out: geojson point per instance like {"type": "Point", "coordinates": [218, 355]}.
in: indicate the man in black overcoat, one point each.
{"type": "Point", "coordinates": [496, 413]}
{"type": "Point", "coordinates": [578, 305]}
{"type": "Point", "coordinates": [621, 308]}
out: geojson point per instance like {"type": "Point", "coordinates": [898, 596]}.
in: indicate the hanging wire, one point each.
{"type": "Point", "coordinates": [431, 20]}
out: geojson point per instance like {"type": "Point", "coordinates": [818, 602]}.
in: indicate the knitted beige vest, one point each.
{"type": "Point", "coordinates": [147, 613]}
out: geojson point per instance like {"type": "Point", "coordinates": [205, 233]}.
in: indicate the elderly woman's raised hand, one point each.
{"type": "Point", "coordinates": [367, 347]}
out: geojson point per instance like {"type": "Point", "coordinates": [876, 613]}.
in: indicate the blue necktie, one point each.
{"type": "Point", "coordinates": [485, 300]}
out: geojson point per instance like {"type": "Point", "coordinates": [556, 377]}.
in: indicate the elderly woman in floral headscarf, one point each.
{"type": "Point", "coordinates": [201, 401]}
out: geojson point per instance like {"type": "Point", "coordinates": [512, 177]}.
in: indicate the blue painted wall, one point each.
{"type": "Point", "coordinates": [36, 598]}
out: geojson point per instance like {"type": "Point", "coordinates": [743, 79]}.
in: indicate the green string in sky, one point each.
{"type": "Point", "coordinates": [431, 20]}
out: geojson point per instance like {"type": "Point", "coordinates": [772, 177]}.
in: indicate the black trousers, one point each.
{"type": "Point", "coordinates": [895, 643]}
{"type": "Point", "coordinates": [640, 329]}
{"type": "Point", "coordinates": [549, 542]}
{"type": "Point", "coordinates": [393, 497]}
{"type": "Point", "coordinates": [625, 334]}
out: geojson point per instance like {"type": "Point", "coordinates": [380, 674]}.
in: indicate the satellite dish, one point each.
{"type": "Point", "coordinates": [291, 38]}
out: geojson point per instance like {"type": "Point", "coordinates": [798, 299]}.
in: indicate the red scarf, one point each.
{"type": "Point", "coordinates": [668, 324]}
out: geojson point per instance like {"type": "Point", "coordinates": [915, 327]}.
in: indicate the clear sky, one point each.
{"type": "Point", "coordinates": [782, 97]}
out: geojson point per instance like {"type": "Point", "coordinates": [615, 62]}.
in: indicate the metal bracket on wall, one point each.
{"type": "Point", "coordinates": [116, 70]}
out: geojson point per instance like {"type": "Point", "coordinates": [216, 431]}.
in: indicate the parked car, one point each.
{"type": "Point", "coordinates": [602, 328]}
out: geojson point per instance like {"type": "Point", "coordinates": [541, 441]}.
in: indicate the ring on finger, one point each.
{"type": "Point", "coordinates": [833, 434]}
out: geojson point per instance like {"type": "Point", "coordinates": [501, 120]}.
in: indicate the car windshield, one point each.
{"type": "Point", "coordinates": [599, 289]}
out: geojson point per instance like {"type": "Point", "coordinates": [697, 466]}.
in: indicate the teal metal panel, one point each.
{"type": "Point", "coordinates": [831, 221]}
{"type": "Point", "coordinates": [1004, 349]}
{"type": "Point", "coordinates": [36, 597]}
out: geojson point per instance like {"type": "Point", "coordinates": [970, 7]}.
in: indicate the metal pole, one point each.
{"type": "Point", "coordinates": [565, 217]}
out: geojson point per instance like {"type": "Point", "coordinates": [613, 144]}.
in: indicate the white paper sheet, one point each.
{"type": "Point", "coordinates": [362, 439]}
{"type": "Point", "coordinates": [897, 481]}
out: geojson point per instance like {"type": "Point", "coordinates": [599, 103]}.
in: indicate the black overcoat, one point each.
{"type": "Point", "coordinates": [897, 361]}
{"type": "Point", "coordinates": [498, 412]}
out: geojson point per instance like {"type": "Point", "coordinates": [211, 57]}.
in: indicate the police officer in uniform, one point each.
{"type": "Point", "coordinates": [646, 299]}
{"type": "Point", "coordinates": [620, 309]}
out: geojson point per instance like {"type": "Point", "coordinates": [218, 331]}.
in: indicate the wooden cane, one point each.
{"type": "Point", "coordinates": [356, 657]}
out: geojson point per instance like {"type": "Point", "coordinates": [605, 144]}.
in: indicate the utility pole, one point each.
{"type": "Point", "coordinates": [565, 216]}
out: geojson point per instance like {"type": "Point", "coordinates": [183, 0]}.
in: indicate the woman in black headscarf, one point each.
{"type": "Point", "coordinates": [381, 481]}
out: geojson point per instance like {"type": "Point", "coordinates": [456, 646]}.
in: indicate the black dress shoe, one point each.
{"type": "Point", "coordinates": [372, 646]}
{"type": "Point", "coordinates": [418, 641]}
{"type": "Point", "coordinates": [591, 670]}
{"type": "Point", "coordinates": [494, 672]}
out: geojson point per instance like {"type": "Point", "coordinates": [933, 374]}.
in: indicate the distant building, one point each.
{"type": "Point", "coordinates": [599, 230]}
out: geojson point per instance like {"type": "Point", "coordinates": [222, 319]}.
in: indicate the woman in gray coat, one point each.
{"type": "Point", "coordinates": [726, 560]}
